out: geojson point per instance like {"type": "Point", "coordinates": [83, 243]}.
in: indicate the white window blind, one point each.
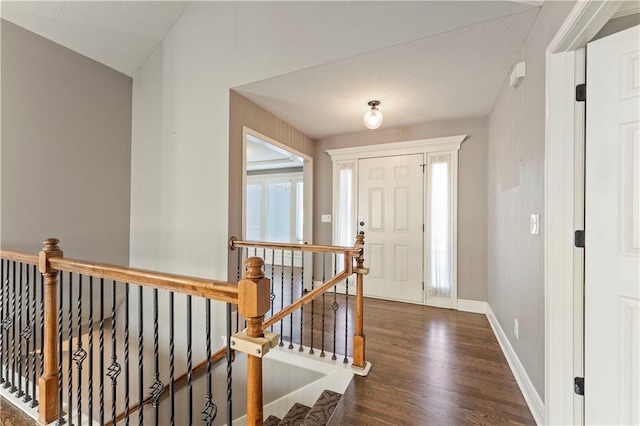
{"type": "Point", "coordinates": [254, 211]}
{"type": "Point", "coordinates": [299, 212]}
{"type": "Point", "coordinates": [278, 218]}
{"type": "Point", "coordinates": [345, 212]}
{"type": "Point", "coordinates": [440, 236]}
{"type": "Point", "coordinates": [274, 208]}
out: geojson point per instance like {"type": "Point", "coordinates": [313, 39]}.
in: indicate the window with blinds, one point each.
{"type": "Point", "coordinates": [274, 208]}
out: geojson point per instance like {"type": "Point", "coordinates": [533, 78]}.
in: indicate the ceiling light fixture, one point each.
{"type": "Point", "coordinates": [373, 117]}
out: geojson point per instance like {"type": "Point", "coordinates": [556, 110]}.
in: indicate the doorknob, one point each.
{"type": "Point", "coordinates": [361, 223]}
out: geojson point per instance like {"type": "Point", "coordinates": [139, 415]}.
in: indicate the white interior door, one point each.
{"type": "Point", "coordinates": [390, 212]}
{"type": "Point", "coordinates": [612, 229]}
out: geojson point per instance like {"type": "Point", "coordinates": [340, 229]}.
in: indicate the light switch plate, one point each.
{"type": "Point", "coordinates": [326, 218]}
{"type": "Point", "coordinates": [535, 224]}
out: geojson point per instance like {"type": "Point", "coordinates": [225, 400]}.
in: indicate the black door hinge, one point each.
{"type": "Point", "coordinates": [579, 238]}
{"type": "Point", "coordinates": [581, 92]}
{"type": "Point", "coordinates": [578, 385]}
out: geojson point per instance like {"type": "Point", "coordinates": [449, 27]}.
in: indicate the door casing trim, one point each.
{"type": "Point", "coordinates": [562, 129]}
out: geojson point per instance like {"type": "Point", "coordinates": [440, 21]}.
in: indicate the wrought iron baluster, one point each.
{"type": "Point", "coordinates": [300, 349]}
{"type": "Point", "coordinates": [114, 369]}
{"type": "Point", "coordinates": [126, 354]}
{"type": "Point", "coordinates": [334, 307]}
{"type": "Point", "coordinates": [101, 351]}
{"type": "Point", "coordinates": [210, 408]}
{"type": "Point", "coordinates": [140, 355]}
{"type": "Point", "coordinates": [281, 298]}
{"type": "Point", "coordinates": [291, 300]}
{"type": "Point", "coordinates": [80, 354]}
{"type": "Point", "coordinates": [20, 393]}
{"type": "Point", "coordinates": [172, 349]}
{"type": "Point", "coordinates": [346, 321]}
{"type": "Point", "coordinates": [272, 296]}
{"type": "Point", "coordinates": [70, 341]}
{"type": "Point", "coordinates": [4, 284]}
{"type": "Point", "coordinates": [26, 333]}
{"type": "Point", "coordinates": [61, 420]}
{"type": "Point", "coordinates": [189, 364]}
{"type": "Point", "coordinates": [32, 325]}
{"type": "Point", "coordinates": [40, 354]}
{"type": "Point", "coordinates": [157, 386]}
{"type": "Point", "coordinates": [313, 311]}
{"type": "Point", "coordinates": [90, 321]}
{"type": "Point", "coordinates": [229, 369]}
{"type": "Point", "coordinates": [41, 325]}
{"type": "Point", "coordinates": [324, 271]}
{"type": "Point", "coordinates": [13, 330]}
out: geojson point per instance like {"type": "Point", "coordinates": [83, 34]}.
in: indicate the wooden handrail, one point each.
{"type": "Point", "coordinates": [216, 290]}
{"type": "Point", "coordinates": [353, 251]}
{"type": "Point", "coordinates": [307, 298]}
{"type": "Point", "coordinates": [200, 287]}
{"type": "Point", "coordinates": [196, 372]}
{"type": "Point", "coordinates": [19, 256]}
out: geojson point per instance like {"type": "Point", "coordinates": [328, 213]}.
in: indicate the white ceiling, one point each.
{"type": "Point", "coordinates": [119, 34]}
{"type": "Point", "coordinates": [455, 71]}
{"type": "Point", "coordinates": [450, 75]}
{"type": "Point", "coordinates": [262, 155]}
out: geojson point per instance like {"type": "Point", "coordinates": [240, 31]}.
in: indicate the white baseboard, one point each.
{"type": "Point", "coordinates": [535, 403]}
{"type": "Point", "coordinates": [474, 306]}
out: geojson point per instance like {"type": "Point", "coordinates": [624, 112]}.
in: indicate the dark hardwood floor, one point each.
{"type": "Point", "coordinates": [12, 416]}
{"type": "Point", "coordinates": [432, 366]}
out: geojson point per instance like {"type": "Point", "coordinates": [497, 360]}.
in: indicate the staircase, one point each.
{"type": "Point", "coordinates": [301, 415]}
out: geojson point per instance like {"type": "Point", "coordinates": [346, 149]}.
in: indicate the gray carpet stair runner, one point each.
{"type": "Point", "coordinates": [301, 415]}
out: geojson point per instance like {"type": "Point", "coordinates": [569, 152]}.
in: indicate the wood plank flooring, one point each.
{"type": "Point", "coordinates": [12, 416]}
{"type": "Point", "coordinates": [432, 366]}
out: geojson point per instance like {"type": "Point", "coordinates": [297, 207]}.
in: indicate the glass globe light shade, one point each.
{"type": "Point", "coordinates": [373, 118]}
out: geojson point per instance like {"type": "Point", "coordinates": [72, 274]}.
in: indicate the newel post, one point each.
{"type": "Point", "coordinates": [48, 382]}
{"type": "Point", "coordinates": [358, 337]}
{"type": "Point", "coordinates": [253, 304]}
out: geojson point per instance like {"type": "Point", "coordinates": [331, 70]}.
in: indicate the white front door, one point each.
{"type": "Point", "coordinates": [612, 229]}
{"type": "Point", "coordinates": [390, 200]}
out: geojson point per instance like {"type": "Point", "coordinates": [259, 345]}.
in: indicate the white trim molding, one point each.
{"type": "Point", "coordinates": [420, 146]}
{"type": "Point", "coordinates": [562, 127]}
{"type": "Point", "coordinates": [522, 378]}
{"type": "Point", "coordinates": [473, 306]}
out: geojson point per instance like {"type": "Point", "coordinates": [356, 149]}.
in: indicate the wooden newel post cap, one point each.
{"type": "Point", "coordinates": [254, 290]}
{"type": "Point", "coordinates": [51, 244]}
{"type": "Point", "coordinates": [49, 250]}
{"type": "Point", "coordinates": [360, 238]}
{"type": "Point", "coordinates": [253, 267]}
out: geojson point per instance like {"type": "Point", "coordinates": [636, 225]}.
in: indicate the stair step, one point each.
{"type": "Point", "coordinates": [296, 415]}
{"type": "Point", "coordinates": [272, 421]}
{"type": "Point", "coordinates": [322, 410]}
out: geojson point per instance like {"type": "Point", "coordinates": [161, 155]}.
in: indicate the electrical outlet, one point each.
{"type": "Point", "coordinates": [326, 218]}
{"type": "Point", "coordinates": [515, 328]}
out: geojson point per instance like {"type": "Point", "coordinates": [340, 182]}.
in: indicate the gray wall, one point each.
{"type": "Point", "coordinates": [472, 195]}
{"type": "Point", "coordinates": [515, 191]}
{"type": "Point", "coordinates": [66, 150]}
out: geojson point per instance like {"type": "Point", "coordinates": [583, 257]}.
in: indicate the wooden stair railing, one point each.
{"type": "Point", "coordinates": [251, 295]}
{"type": "Point", "coordinates": [51, 262]}
{"type": "Point", "coordinates": [350, 254]}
